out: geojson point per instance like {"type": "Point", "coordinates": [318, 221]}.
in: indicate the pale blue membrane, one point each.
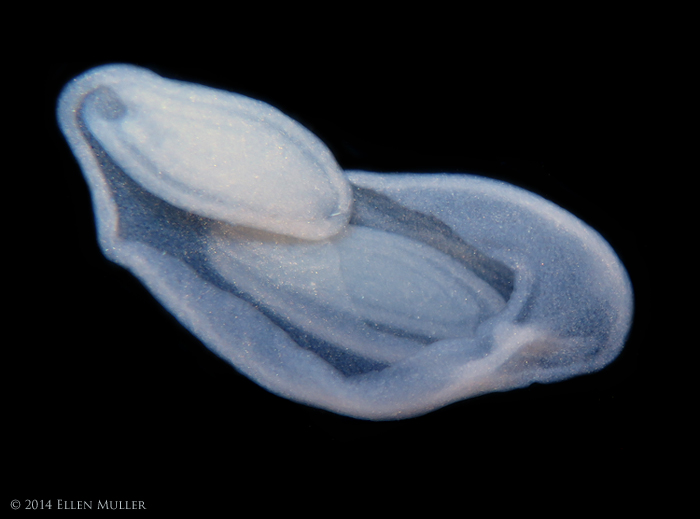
{"type": "Point", "coordinates": [374, 296]}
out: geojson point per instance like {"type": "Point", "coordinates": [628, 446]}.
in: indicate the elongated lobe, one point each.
{"type": "Point", "coordinates": [218, 154]}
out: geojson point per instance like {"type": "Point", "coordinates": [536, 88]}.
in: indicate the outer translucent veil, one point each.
{"type": "Point", "coordinates": [375, 296]}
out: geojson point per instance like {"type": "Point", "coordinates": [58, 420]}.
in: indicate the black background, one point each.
{"type": "Point", "coordinates": [107, 387]}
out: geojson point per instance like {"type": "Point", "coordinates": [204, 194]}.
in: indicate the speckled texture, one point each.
{"type": "Point", "coordinates": [375, 296]}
